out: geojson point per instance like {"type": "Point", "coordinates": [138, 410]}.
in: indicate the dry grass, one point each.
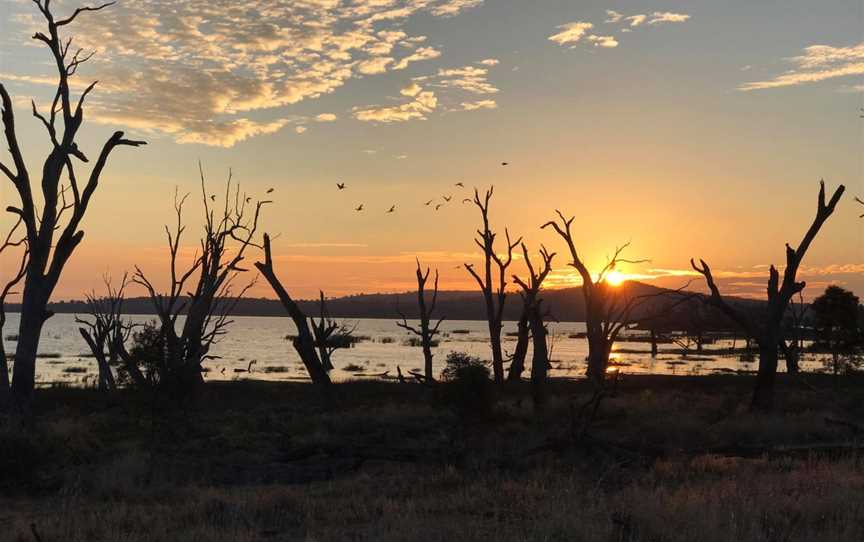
{"type": "Point", "coordinates": [386, 462]}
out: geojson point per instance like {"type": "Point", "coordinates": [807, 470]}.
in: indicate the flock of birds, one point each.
{"type": "Point", "coordinates": [446, 199]}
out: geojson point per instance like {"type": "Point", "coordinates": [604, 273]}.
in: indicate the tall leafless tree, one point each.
{"type": "Point", "coordinates": [766, 328]}
{"type": "Point", "coordinates": [532, 303]}
{"type": "Point", "coordinates": [608, 309]}
{"type": "Point", "coordinates": [427, 331]}
{"type": "Point", "coordinates": [228, 233]}
{"type": "Point", "coordinates": [304, 342]}
{"type": "Point", "coordinates": [48, 251]}
{"type": "Point", "coordinates": [494, 289]}
{"type": "Point", "coordinates": [14, 239]}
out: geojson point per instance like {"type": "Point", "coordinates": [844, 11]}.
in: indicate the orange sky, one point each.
{"type": "Point", "coordinates": [679, 138]}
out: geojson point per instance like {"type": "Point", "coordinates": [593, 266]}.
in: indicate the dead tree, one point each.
{"type": "Point", "coordinates": [766, 328]}
{"type": "Point", "coordinates": [13, 240]}
{"type": "Point", "coordinates": [229, 231]}
{"type": "Point", "coordinates": [532, 303]}
{"type": "Point", "coordinates": [304, 342]}
{"type": "Point", "coordinates": [51, 238]}
{"type": "Point", "coordinates": [523, 337]}
{"type": "Point", "coordinates": [494, 293]}
{"type": "Point", "coordinates": [106, 333]}
{"type": "Point", "coordinates": [426, 332]}
{"type": "Point", "coordinates": [330, 335]}
{"type": "Point", "coordinates": [608, 309]}
{"type": "Point", "coordinates": [792, 349]}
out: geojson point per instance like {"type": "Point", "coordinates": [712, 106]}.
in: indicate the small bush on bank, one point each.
{"type": "Point", "coordinates": [467, 386]}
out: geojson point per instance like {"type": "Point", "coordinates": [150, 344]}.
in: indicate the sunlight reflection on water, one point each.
{"type": "Point", "coordinates": [259, 343]}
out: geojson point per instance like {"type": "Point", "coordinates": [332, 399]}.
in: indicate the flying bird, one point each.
{"type": "Point", "coordinates": [359, 207]}
{"type": "Point", "coordinates": [248, 199]}
{"type": "Point", "coordinates": [439, 206]}
{"type": "Point", "coordinates": [391, 209]}
{"type": "Point", "coordinates": [460, 184]}
{"type": "Point", "coordinates": [212, 197]}
{"type": "Point", "coordinates": [340, 186]}
{"type": "Point", "coordinates": [505, 163]}
{"type": "Point", "coordinates": [466, 200]}
{"type": "Point", "coordinates": [428, 203]}
{"type": "Point", "coordinates": [270, 190]}
{"type": "Point", "coordinates": [447, 198]}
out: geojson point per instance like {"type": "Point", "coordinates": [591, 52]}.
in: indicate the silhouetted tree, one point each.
{"type": "Point", "coordinates": [330, 335]}
{"type": "Point", "coordinates": [835, 315]}
{"type": "Point", "coordinates": [48, 252]}
{"type": "Point", "coordinates": [532, 302]}
{"type": "Point", "coordinates": [106, 333]}
{"type": "Point", "coordinates": [426, 332]}
{"type": "Point", "coordinates": [228, 233]}
{"type": "Point", "coordinates": [304, 342]}
{"type": "Point", "coordinates": [794, 322]}
{"type": "Point", "coordinates": [608, 309]}
{"type": "Point", "coordinates": [766, 328]}
{"type": "Point", "coordinates": [494, 294]}
{"type": "Point", "coordinates": [12, 240]}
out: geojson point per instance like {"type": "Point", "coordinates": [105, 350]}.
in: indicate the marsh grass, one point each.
{"type": "Point", "coordinates": [251, 461]}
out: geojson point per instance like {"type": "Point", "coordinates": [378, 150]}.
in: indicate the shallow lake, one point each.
{"type": "Point", "coordinates": [257, 348]}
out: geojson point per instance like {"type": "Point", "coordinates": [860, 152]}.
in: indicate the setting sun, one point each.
{"type": "Point", "coordinates": [615, 278]}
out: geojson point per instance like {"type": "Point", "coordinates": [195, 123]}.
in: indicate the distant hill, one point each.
{"type": "Point", "coordinates": [564, 304]}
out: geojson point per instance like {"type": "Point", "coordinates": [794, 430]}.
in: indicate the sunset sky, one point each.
{"type": "Point", "coordinates": [690, 129]}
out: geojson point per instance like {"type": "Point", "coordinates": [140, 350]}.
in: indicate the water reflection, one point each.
{"type": "Point", "coordinates": [256, 348]}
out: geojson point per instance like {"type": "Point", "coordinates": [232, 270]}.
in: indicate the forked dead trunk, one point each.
{"type": "Point", "coordinates": [540, 361]}
{"type": "Point", "coordinates": [523, 336]}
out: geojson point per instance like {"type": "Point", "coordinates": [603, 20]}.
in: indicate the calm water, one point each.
{"type": "Point", "coordinates": [259, 343]}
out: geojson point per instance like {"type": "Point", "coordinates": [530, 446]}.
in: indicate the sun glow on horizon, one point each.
{"type": "Point", "coordinates": [615, 278]}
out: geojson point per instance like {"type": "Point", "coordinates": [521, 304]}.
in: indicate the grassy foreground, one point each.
{"type": "Point", "coordinates": [668, 458]}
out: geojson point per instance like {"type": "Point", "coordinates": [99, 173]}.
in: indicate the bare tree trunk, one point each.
{"type": "Point", "coordinates": [427, 332]}
{"type": "Point", "coordinates": [540, 360]}
{"type": "Point", "coordinates": [494, 295]}
{"type": "Point", "coordinates": [497, 353]}
{"type": "Point", "coordinates": [4, 373]}
{"type": "Point", "coordinates": [791, 355]}
{"type": "Point", "coordinates": [523, 336]}
{"type": "Point", "coordinates": [50, 240]}
{"type": "Point", "coordinates": [763, 395]}
{"type": "Point", "coordinates": [305, 341]}
{"type": "Point", "coordinates": [534, 315]}
{"type": "Point", "coordinates": [653, 344]}
{"type": "Point", "coordinates": [598, 358]}
{"type": "Point", "coordinates": [97, 347]}
{"type": "Point", "coordinates": [24, 379]}
{"type": "Point", "coordinates": [131, 366]}
{"type": "Point", "coordinates": [780, 294]}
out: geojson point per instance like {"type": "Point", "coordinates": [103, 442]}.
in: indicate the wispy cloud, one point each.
{"type": "Point", "coordinates": [818, 63]}
{"type": "Point", "coordinates": [422, 103]}
{"type": "Point", "coordinates": [603, 41]}
{"type": "Point", "coordinates": [613, 16]}
{"type": "Point", "coordinates": [571, 34]}
{"type": "Point", "coordinates": [326, 117]}
{"type": "Point", "coordinates": [667, 17]}
{"type": "Point", "coordinates": [636, 20]}
{"type": "Point", "coordinates": [238, 57]}
{"type": "Point", "coordinates": [480, 104]}
{"type": "Point", "coordinates": [448, 85]}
